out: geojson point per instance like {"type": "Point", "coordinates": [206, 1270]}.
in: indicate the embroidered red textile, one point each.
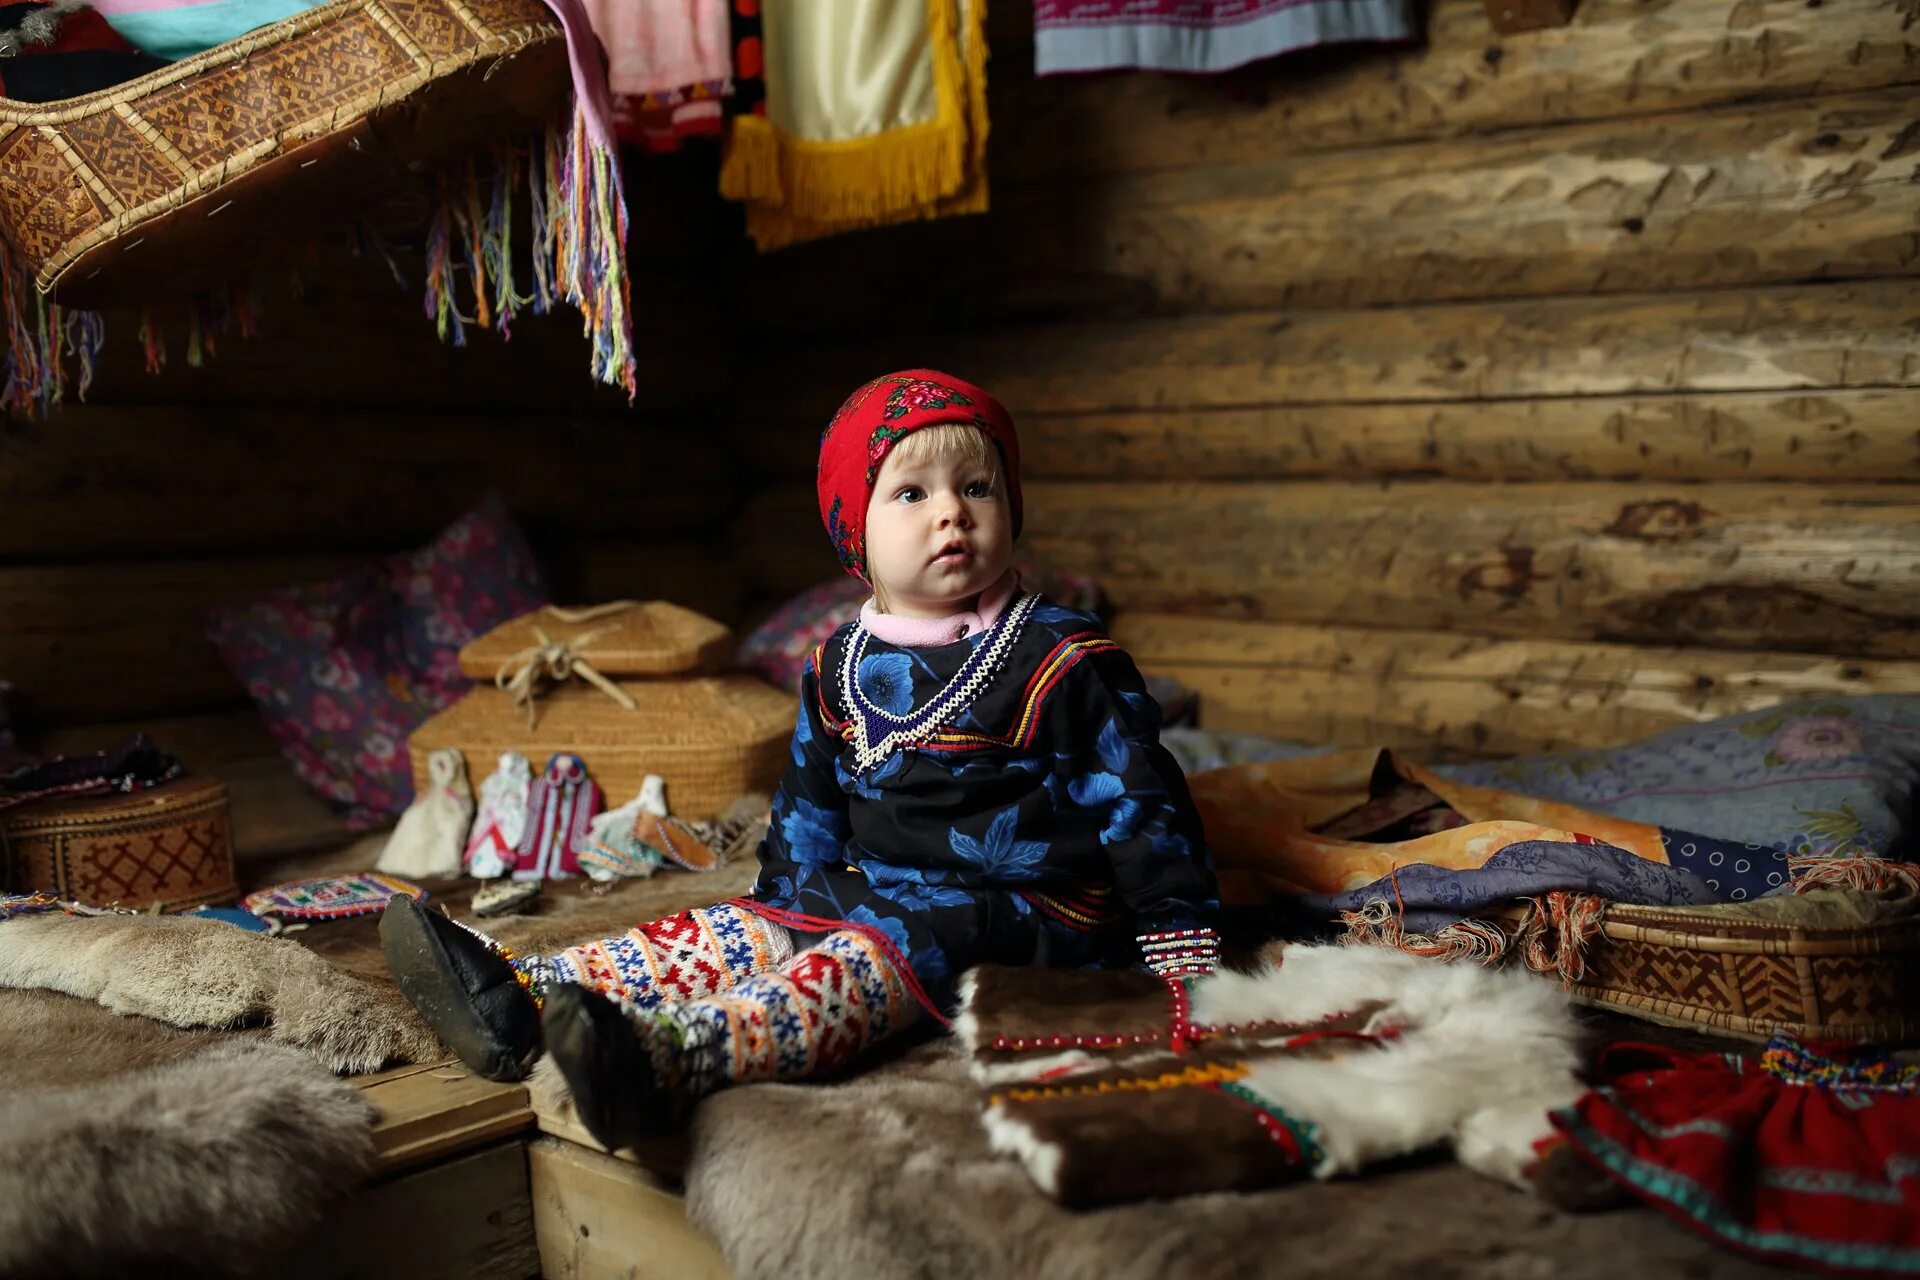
{"type": "Point", "coordinates": [877, 417]}
{"type": "Point", "coordinates": [1808, 1156]}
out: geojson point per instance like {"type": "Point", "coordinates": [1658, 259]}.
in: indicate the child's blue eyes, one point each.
{"type": "Point", "coordinates": [914, 493]}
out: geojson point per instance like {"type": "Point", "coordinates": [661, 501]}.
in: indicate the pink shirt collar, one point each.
{"type": "Point", "coordinates": [924, 633]}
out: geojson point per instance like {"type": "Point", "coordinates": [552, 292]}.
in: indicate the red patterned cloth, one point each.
{"type": "Point", "coordinates": [82, 55]}
{"type": "Point", "coordinates": [1809, 1155]}
{"type": "Point", "coordinates": [877, 417]}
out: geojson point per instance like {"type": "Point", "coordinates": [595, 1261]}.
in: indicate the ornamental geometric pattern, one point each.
{"type": "Point", "coordinates": [438, 33]}
{"type": "Point", "coordinates": [121, 158]}
{"type": "Point", "coordinates": [220, 113]}
{"type": "Point", "coordinates": [211, 117]}
{"type": "Point", "coordinates": [1858, 984]}
{"type": "Point", "coordinates": [44, 206]}
{"type": "Point", "coordinates": [141, 867]}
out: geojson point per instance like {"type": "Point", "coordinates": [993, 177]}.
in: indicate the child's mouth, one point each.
{"type": "Point", "coordinates": [953, 553]}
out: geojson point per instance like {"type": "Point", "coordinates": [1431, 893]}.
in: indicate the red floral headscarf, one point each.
{"type": "Point", "coordinates": [877, 417]}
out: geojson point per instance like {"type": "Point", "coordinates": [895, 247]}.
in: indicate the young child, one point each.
{"type": "Point", "coordinates": [976, 777]}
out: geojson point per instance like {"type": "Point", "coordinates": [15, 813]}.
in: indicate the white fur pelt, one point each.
{"type": "Point", "coordinates": [431, 836]}
{"type": "Point", "coordinates": [206, 1166]}
{"type": "Point", "coordinates": [202, 973]}
{"type": "Point", "coordinates": [1480, 1056]}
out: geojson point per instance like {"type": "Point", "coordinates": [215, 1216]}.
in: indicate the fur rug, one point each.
{"type": "Point", "coordinates": [193, 1138]}
{"type": "Point", "coordinates": [890, 1174]}
{"type": "Point", "coordinates": [1479, 1056]}
{"type": "Point", "coordinates": [325, 989]}
{"type": "Point", "coordinates": [126, 1145]}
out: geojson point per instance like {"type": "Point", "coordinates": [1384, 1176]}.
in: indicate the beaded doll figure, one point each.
{"type": "Point", "coordinates": [976, 776]}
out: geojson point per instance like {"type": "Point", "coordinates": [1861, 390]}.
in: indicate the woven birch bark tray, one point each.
{"type": "Point", "coordinates": [168, 847]}
{"type": "Point", "coordinates": [654, 638]}
{"type": "Point", "coordinates": [1752, 978]}
{"type": "Point", "coordinates": [712, 739]}
{"type": "Point", "coordinates": [289, 128]}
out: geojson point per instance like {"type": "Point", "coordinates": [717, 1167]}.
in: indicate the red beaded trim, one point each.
{"type": "Point", "coordinates": [1196, 1031]}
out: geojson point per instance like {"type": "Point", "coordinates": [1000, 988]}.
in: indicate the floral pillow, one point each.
{"type": "Point", "coordinates": [344, 670]}
{"type": "Point", "coordinates": [778, 649]}
{"type": "Point", "coordinates": [1826, 777]}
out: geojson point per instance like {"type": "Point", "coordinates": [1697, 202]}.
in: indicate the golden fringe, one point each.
{"type": "Point", "coordinates": [798, 190]}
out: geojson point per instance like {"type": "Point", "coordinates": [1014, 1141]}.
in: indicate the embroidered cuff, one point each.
{"type": "Point", "coordinates": [1181, 953]}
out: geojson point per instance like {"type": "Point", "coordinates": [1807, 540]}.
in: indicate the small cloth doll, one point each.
{"type": "Point", "coordinates": [502, 822]}
{"type": "Point", "coordinates": [561, 808]}
{"type": "Point", "coordinates": [433, 831]}
{"type": "Point", "coordinates": [613, 851]}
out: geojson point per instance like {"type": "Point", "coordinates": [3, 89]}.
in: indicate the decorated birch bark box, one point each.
{"type": "Point", "coordinates": [169, 846]}
{"type": "Point", "coordinates": [575, 682]}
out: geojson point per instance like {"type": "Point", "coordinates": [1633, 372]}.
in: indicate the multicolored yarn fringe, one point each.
{"type": "Point", "coordinates": [41, 335]}
{"type": "Point", "coordinates": [578, 218]}
{"type": "Point", "coordinates": [578, 215]}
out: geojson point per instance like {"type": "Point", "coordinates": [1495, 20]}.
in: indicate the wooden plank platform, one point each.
{"type": "Point", "coordinates": [439, 1110]}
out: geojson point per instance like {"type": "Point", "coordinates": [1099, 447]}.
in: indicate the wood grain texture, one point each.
{"type": "Point", "coordinates": [1767, 435]}
{"type": "Point", "coordinates": [1619, 59]}
{"type": "Point", "coordinates": [434, 1111]}
{"type": "Point", "coordinates": [598, 1218]}
{"type": "Point", "coordinates": [1760, 193]}
{"type": "Point", "coordinates": [1449, 694]}
{"type": "Point", "coordinates": [172, 480]}
{"type": "Point", "coordinates": [1834, 336]}
{"type": "Point", "coordinates": [1819, 568]}
{"type": "Point", "coordinates": [469, 1218]}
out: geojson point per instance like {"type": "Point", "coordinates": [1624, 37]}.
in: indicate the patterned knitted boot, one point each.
{"type": "Point", "coordinates": [679, 957]}
{"type": "Point", "coordinates": [818, 1011]}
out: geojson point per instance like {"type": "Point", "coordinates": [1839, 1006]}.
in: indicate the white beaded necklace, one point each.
{"type": "Point", "coordinates": [968, 683]}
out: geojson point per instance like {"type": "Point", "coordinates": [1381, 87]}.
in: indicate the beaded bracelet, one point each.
{"type": "Point", "coordinates": [1181, 952]}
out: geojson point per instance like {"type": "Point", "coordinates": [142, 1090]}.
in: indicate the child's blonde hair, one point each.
{"type": "Point", "coordinates": [948, 443]}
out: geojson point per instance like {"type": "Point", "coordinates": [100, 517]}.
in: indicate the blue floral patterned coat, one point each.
{"type": "Point", "coordinates": [1038, 821]}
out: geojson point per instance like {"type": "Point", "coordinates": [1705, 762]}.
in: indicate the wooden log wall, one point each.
{"type": "Point", "coordinates": [1499, 393]}
{"type": "Point", "coordinates": [1504, 393]}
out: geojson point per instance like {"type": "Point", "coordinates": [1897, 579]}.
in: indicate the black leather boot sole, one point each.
{"type": "Point", "coordinates": [465, 990]}
{"type": "Point", "coordinates": [608, 1069]}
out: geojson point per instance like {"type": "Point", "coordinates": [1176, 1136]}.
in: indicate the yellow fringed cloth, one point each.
{"type": "Point", "coordinates": [876, 113]}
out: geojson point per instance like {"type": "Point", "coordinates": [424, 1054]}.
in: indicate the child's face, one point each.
{"type": "Point", "coordinates": [938, 534]}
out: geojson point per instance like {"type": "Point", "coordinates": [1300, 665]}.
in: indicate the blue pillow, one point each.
{"type": "Point", "coordinates": [1824, 777]}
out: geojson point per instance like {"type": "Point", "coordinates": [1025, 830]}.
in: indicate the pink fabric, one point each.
{"type": "Point", "coordinates": [924, 633]}
{"type": "Point", "coordinates": [560, 810]}
{"type": "Point", "coordinates": [590, 96]}
{"type": "Point", "coordinates": [655, 46]}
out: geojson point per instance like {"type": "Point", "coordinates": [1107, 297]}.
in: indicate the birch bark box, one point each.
{"type": "Point", "coordinates": [631, 690]}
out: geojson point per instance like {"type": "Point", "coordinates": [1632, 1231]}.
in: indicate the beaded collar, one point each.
{"type": "Point", "coordinates": [878, 733]}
